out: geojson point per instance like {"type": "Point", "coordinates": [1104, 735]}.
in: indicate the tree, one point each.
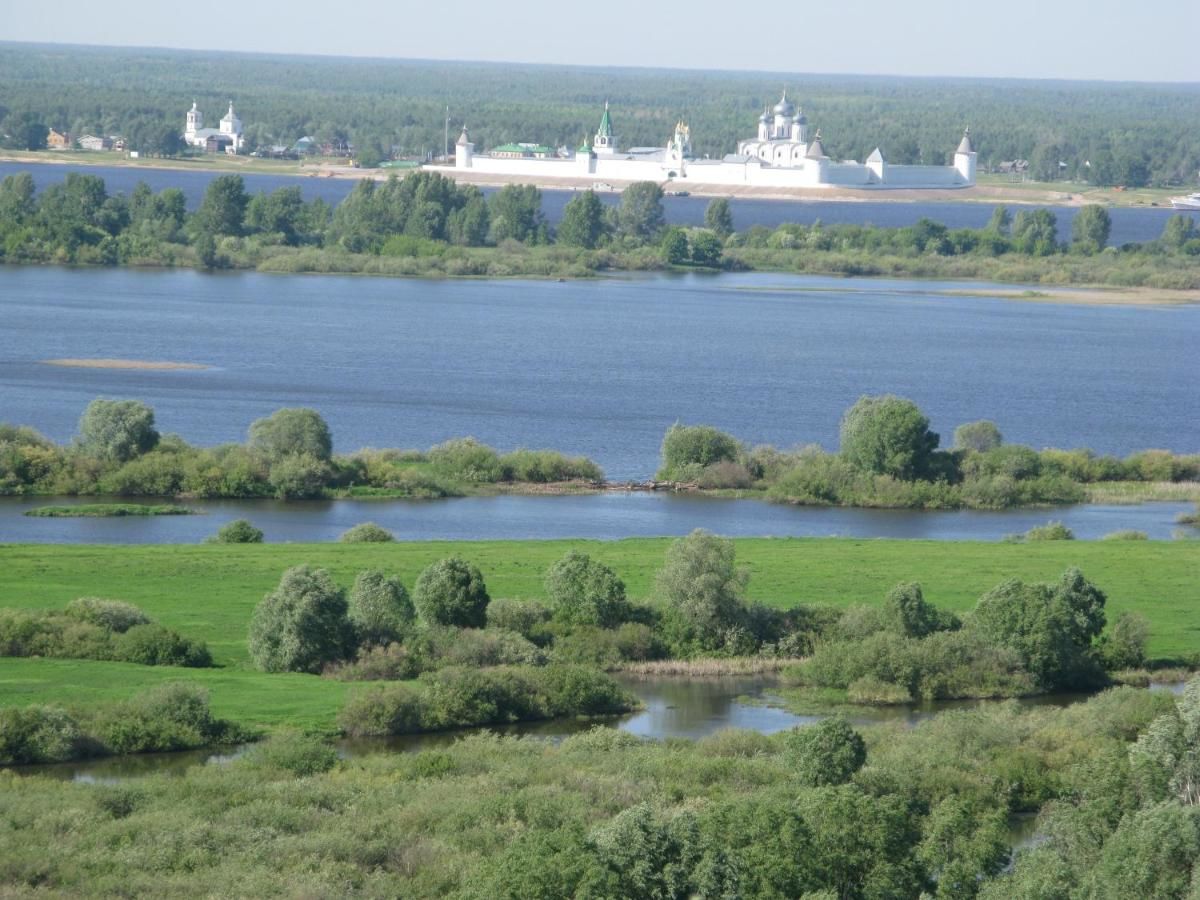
{"type": "Point", "coordinates": [292, 431]}
{"type": "Point", "coordinates": [223, 209]}
{"type": "Point", "coordinates": [277, 213]}
{"type": "Point", "coordinates": [380, 609]}
{"type": "Point", "coordinates": [695, 445]}
{"type": "Point", "coordinates": [1091, 228]}
{"type": "Point", "coordinates": [301, 625]}
{"type": "Point", "coordinates": [828, 752]}
{"type": "Point", "coordinates": [907, 613]}
{"type": "Point", "coordinates": [451, 592]}
{"type": "Point", "coordinates": [586, 592]}
{"type": "Point", "coordinates": [701, 585]}
{"type": "Point", "coordinates": [1001, 221]}
{"type": "Point", "coordinates": [888, 435]}
{"type": "Point", "coordinates": [1178, 231]}
{"type": "Point", "coordinates": [640, 215]}
{"type": "Point", "coordinates": [707, 249]}
{"type": "Point", "coordinates": [980, 436]}
{"type": "Point", "coordinates": [1035, 232]}
{"type": "Point", "coordinates": [117, 430]}
{"type": "Point", "coordinates": [718, 217]}
{"type": "Point", "coordinates": [28, 132]}
{"type": "Point", "coordinates": [516, 214]}
{"type": "Point", "coordinates": [583, 223]}
{"type": "Point", "coordinates": [239, 531]}
{"type": "Point", "coordinates": [674, 246]}
{"type": "Point", "coordinates": [1051, 627]}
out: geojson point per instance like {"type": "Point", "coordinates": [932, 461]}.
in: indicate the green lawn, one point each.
{"type": "Point", "coordinates": [208, 592]}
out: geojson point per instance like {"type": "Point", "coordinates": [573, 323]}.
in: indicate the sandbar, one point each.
{"type": "Point", "coordinates": [156, 365]}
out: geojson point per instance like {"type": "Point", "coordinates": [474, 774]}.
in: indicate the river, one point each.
{"type": "Point", "coordinates": [606, 516]}
{"type": "Point", "coordinates": [1129, 224]}
{"type": "Point", "coordinates": [597, 367]}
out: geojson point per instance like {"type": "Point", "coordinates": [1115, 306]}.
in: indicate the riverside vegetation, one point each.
{"type": "Point", "coordinates": [888, 457]}
{"type": "Point", "coordinates": [427, 225]}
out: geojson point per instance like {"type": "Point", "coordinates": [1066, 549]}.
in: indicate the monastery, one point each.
{"type": "Point", "coordinates": [782, 154]}
{"type": "Point", "coordinates": [228, 137]}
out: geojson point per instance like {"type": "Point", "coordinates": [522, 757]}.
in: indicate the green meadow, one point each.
{"type": "Point", "coordinates": [208, 592]}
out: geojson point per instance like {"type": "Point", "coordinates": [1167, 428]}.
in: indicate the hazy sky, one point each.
{"type": "Point", "coordinates": [1152, 40]}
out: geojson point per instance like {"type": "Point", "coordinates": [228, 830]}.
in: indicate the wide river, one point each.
{"type": "Point", "coordinates": [1129, 223]}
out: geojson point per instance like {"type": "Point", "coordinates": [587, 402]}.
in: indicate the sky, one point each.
{"type": "Point", "coordinates": [1153, 40]}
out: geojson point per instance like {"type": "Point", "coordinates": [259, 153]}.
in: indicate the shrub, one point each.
{"type": "Point", "coordinates": [117, 430]}
{"type": "Point", "coordinates": [726, 474]}
{"type": "Point", "coordinates": [391, 662]}
{"type": "Point", "coordinates": [888, 435]}
{"type": "Point", "coordinates": [366, 533]}
{"type": "Point", "coordinates": [526, 617]}
{"type": "Point", "coordinates": [547, 466]}
{"type": "Point", "coordinates": [1124, 645]}
{"type": "Point", "coordinates": [291, 432]}
{"type": "Point", "coordinates": [170, 717]}
{"type": "Point", "coordinates": [906, 612]}
{"type": "Point", "coordinates": [701, 445]}
{"type": "Point", "coordinates": [298, 476]}
{"type": "Point", "coordinates": [468, 460]}
{"type": "Point", "coordinates": [153, 645]}
{"type": "Point", "coordinates": [979, 436]}
{"type": "Point", "coordinates": [379, 608]}
{"type": "Point", "coordinates": [293, 752]}
{"type": "Point", "coordinates": [37, 734]}
{"type": "Point", "coordinates": [701, 585]}
{"type": "Point", "coordinates": [115, 615]}
{"type": "Point", "coordinates": [1128, 534]}
{"type": "Point", "coordinates": [586, 592]}
{"type": "Point", "coordinates": [386, 709]}
{"type": "Point", "coordinates": [239, 531]}
{"type": "Point", "coordinates": [452, 592]}
{"type": "Point", "coordinates": [301, 625]}
{"type": "Point", "coordinates": [828, 752]}
{"type": "Point", "coordinates": [1051, 531]}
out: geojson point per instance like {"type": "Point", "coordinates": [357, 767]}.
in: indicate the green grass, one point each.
{"type": "Point", "coordinates": [105, 510]}
{"type": "Point", "coordinates": [208, 592]}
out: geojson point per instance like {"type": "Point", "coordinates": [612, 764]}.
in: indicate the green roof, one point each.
{"type": "Point", "coordinates": [605, 129]}
{"type": "Point", "coordinates": [524, 148]}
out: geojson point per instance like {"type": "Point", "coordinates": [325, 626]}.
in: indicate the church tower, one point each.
{"type": "Point", "coordinates": [964, 157]}
{"type": "Point", "coordinates": [605, 142]}
{"type": "Point", "coordinates": [195, 121]}
{"type": "Point", "coordinates": [464, 150]}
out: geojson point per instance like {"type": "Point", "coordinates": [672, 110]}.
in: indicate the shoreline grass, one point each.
{"type": "Point", "coordinates": [108, 510]}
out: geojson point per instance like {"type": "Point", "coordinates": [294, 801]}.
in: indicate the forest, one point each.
{"type": "Point", "coordinates": [1102, 133]}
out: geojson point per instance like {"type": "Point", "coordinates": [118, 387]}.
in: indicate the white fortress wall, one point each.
{"type": "Point", "coordinates": [923, 176]}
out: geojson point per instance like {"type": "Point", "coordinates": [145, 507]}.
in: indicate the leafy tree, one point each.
{"type": "Point", "coordinates": [827, 752]}
{"type": "Point", "coordinates": [1150, 856]}
{"type": "Point", "coordinates": [907, 613]}
{"type": "Point", "coordinates": [586, 592]}
{"type": "Point", "coordinates": [1050, 626]}
{"type": "Point", "coordinates": [646, 856]}
{"type": "Point", "coordinates": [701, 585]}
{"type": "Point", "coordinates": [516, 214]}
{"type": "Point", "coordinates": [277, 213]}
{"type": "Point", "coordinates": [583, 223]}
{"type": "Point", "coordinates": [718, 217]}
{"type": "Point", "coordinates": [1124, 645]}
{"type": "Point", "coordinates": [1035, 232]}
{"type": "Point", "coordinates": [1001, 221]}
{"type": "Point", "coordinates": [301, 625]}
{"type": "Point", "coordinates": [223, 209]}
{"type": "Point", "coordinates": [1091, 228]}
{"type": "Point", "coordinates": [695, 445]}
{"type": "Point", "coordinates": [298, 476]}
{"type": "Point", "coordinates": [452, 592]}
{"type": "Point", "coordinates": [888, 435]}
{"type": "Point", "coordinates": [1178, 231]}
{"type": "Point", "coordinates": [28, 132]}
{"type": "Point", "coordinates": [675, 250]}
{"type": "Point", "coordinates": [291, 431]}
{"type": "Point", "coordinates": [469, 226]}
{"type": "Point", "coordinates": [640, 214]}
{"type": "Point", "coordinates": [1166, 757]}
{"type": "Point", "coordinates": [117, 430]}
{"type": "Point", "coordinates": [707, 249]}
{"type": "Point", "coordinates": [980, 436]}
{"type": "Point", "coordinates": [239, 531]}
{"type": "Point", "coordinates": [380, 609]}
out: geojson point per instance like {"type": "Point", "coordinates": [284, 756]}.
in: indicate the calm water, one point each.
{"type": "Point", "coordinates": [1129, 224]}
{"type": "Point", "coordinates": [607, 516]}
{"type": "Point", "coordinates": [599, 367]}
{"type": "Point", "coordinates": [673, 708]}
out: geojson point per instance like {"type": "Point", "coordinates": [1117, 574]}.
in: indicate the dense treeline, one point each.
{"type": "Point", "coordinates": [1105, 133]}
{"type": "Point", "coordinates": [426, 224]}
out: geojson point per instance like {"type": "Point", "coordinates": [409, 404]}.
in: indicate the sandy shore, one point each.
{"type": "Point", "coordinates": [1081, 296]}
{"type": "Point", "coordinates": [122, 364]}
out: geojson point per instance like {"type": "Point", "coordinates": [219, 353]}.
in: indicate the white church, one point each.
{"type": "Point", "coordinates": [228, 138]}
{"type": "Point", "coordinates": [782, 155]}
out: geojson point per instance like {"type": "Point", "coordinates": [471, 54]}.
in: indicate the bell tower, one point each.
{"type": "Point", "coordinates": [605, 142]}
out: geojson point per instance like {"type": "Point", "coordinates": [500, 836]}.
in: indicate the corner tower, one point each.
{"type": "Point", "coordinates": [464, 150]}
{"type": "Point", "coordinates": [964, 158]}
{"type": "Point", "coordinates": [605, 142]}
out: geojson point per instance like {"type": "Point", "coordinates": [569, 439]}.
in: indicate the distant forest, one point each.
{"type": "Point", "coordinates": [1104, 133]}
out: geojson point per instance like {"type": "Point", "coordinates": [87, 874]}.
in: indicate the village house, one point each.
{"type": "Point", "coordinates": [58, 140]}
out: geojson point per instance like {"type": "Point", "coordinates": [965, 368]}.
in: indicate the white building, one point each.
{"type": "Point", "coordinates": [227, 138]}
{"type": "Point", "coordinates": [782, 154]}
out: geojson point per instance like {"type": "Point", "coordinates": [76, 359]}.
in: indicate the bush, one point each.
{"type": "Point", "coordinates": [239, 531]}
{"type": "Point", "coordinates": [117, 430]}
{"type": "Point", "coordinates": [979, 436]}
{"type": "Point", "coordinates": [115, 615]}
{"type": "Point", "coordinates": [906, 612]}
{"type": "Point", "coordinates": [1124, 645]}
{"type": "Point", "coordinates": [366, 533]}
{"type": "Point", "coordinates": [1128, 534]}
{"type": "Point", "coordinates": [700, 445]}
{"type": "Point", "coordinates": [387, 709]}
{"type": "Point", "coordinates": [1051, 531]}
{"type": "Point", "coordinates": [828, 752]}
{"type": "Point", "coordinates": [379, 608]}
{"type": "Point", "coordinates": [293, 752]}
{"type": "Point", "coordinates": [291, 432]}
{"type": "Point", "coordinates": [583, 591]}
{"type": "Point", "coordinates": [452, 592]}
{"type": "Point", "coordinates": [153, 645]}
{"type": "Point", "coordinates": [170, 717]}
{"type": "Point", "coordinates": [298, 476]}
{"type": "Point", "coordinates": [468, 460]}
{"type": "Point", "coordinates": [301, 625]}
{"type": "Point", "coordinates": [701, 586]}
{"type": "Point", "coordinates": [547, 466]}
{"type": "Point", "coordinates": [37, 734]}
{"type": "Point", "coordinates": [526, 617]}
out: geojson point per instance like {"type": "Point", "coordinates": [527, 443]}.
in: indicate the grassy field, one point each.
{"type": "Point", "coordinates": [209, 592]}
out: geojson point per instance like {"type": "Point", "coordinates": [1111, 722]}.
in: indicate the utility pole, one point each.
{"type": "Point", "coordinates": [446, 147]}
